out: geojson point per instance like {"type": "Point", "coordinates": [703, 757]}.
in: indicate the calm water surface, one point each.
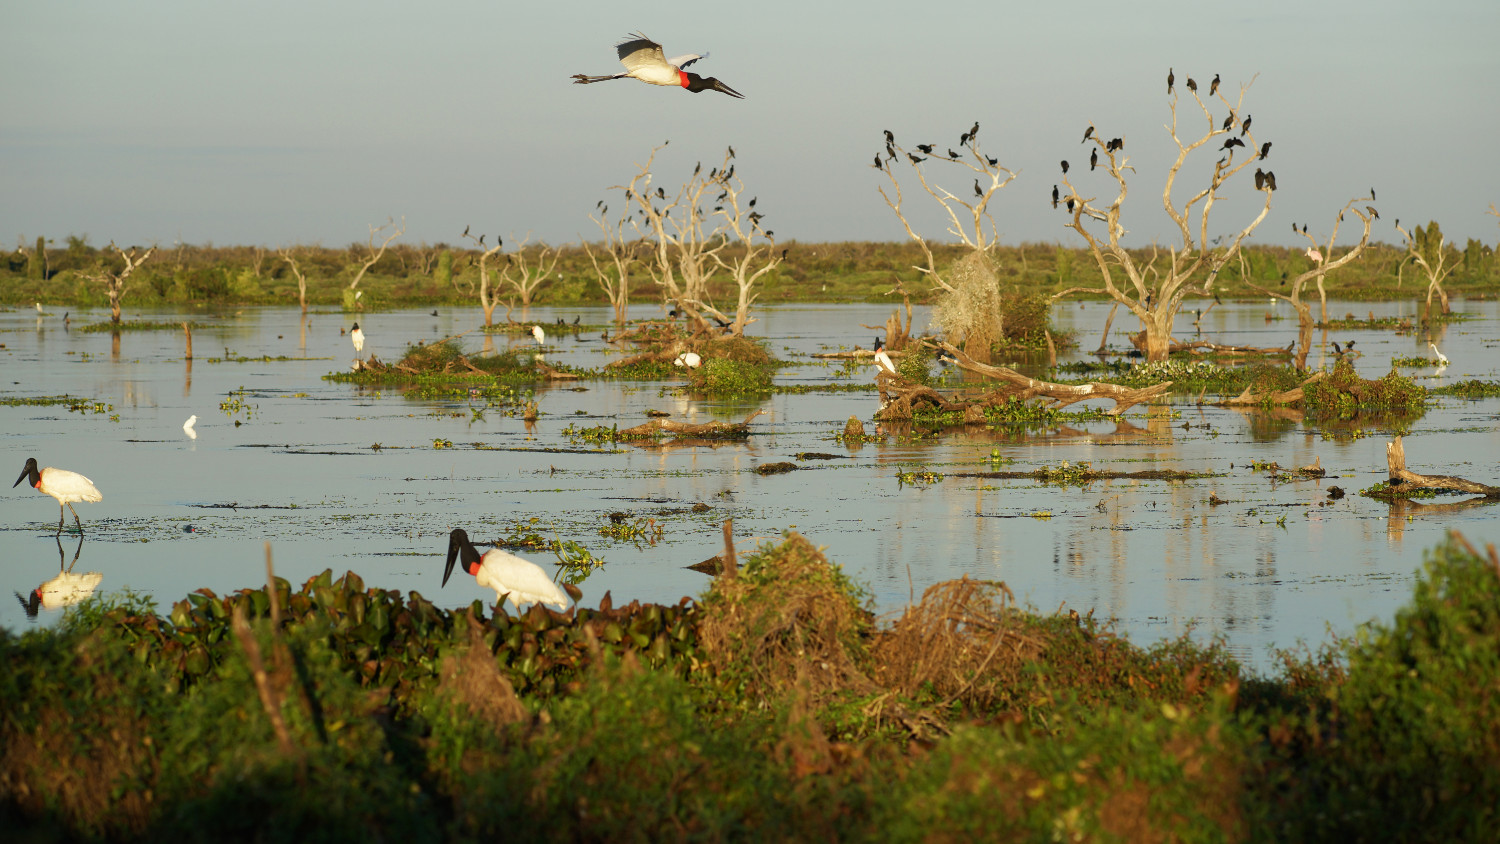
{"type": "Point", "coordinates": [300, 472]}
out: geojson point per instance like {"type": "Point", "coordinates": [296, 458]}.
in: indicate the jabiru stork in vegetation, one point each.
{"type": "Point", "coordinates": [513, 579]}
{"type": "Point", "coordinates": [691, 360]}
{"type": "Point", "coordinates": [644, 60]}
{"type": "Point", "coordinates": [61, 484]}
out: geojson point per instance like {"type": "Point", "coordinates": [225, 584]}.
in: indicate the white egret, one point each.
{"type": "Point", "coordinates": [539, 334]}
{"type": "Point", "coordinates": [187, 427]}
{"type": "Point", "coordinates": [1442, 358]}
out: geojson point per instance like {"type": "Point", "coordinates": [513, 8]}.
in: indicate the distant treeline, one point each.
{"type": "Point", "coordinates": [442, 273]}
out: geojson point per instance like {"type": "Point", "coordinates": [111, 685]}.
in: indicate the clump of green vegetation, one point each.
{"type": "Point", "coordinates": [1344, 393]}
{"type": "Point", "coordinates": [790, 711]}
{"type": "Point", "coordinates": [1413, 362]}
{"type": "Point", "coordinates": [1472, 388]}
{"type": "Point", "coordinates": [132, 325]}
{"type": "Point", "coordinates": [725, 377]}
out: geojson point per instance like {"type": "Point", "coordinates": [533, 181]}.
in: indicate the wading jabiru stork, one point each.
{"type": "Point", "coordinates": [513, 579]}
{"type": "Point", "coordinates": [644, 60]}
{"type": "Point", "coordinates": [61, 484]}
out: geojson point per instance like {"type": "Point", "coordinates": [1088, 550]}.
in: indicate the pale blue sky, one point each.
{"type": "Point", "coordinates": [277, 122]}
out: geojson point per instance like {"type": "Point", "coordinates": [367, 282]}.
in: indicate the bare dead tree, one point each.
{"type": "Point", "coordinates": [1154, 290]}
{"type": "Point", "coordinates": [683, 244]}
{"type": "Point", "coordinates": [621, 255]}
{"type": "Point", "coordinates": [1323, 264]}
{"type": "Point", "coordinates": [742, 223]}
{"type": "Point", "coordinates": [487, 300]}
{"type": "Point", "coordinates": [291, 255]}
{"type": "Point", "coordinates": [116, 282]}
{"type": "Point", "coordinates": [524, 276]}
{"type": "Point", "coordinates": [372, 254]}
{"type": "Point", "coordinates": [260, 260]}
{"type": "Point", "coordinates": [971, 311]}
{"type": "Point", "coordinates": [1426, 248]}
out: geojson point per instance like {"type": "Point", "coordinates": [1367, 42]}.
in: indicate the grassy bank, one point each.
{"type": "Point", "coordinates": [421, 275]}
{"type": "Point", "coordinates": [775, 707]}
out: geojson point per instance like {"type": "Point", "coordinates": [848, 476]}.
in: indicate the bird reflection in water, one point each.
{"type": "Point", "coordinates": [66, 589]}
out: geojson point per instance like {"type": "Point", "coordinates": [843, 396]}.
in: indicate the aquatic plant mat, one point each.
{"type": "Point", "coordinates": [776, 707]}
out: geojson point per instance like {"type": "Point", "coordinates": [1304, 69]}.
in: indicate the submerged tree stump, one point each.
{"type": "Point", "coordinates": [1403, 481]}
{"type": "Point", "coordinates": [900, 396]}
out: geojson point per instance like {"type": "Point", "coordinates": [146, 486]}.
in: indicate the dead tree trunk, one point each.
{"type": "Point", "coordinates": [1403, 481]}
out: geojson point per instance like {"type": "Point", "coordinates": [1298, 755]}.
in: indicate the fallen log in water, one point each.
{"type": "Point", "coordinates": [1403, 482]}
{"type": "Point", "coordinates": [1275, 397]}
{"type": "Point", "coordinates": [899, 396]}
{"type": "Point", "coordinates": [714, 430]}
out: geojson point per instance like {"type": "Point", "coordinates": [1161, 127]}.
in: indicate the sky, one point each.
{"type": "Point", "coordinates": [277, 123]}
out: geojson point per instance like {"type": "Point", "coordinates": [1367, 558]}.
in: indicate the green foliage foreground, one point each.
{"type": "Point", "coordinates": [775, 708]}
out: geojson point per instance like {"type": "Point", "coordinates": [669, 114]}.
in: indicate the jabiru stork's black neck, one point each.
{"type": "Point", "coordinates": [461, 549]}
{"type": "Point", "coordinates": [695, 83]}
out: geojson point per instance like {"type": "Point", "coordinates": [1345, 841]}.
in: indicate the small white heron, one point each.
{"type": "Point", "coordinates": [187, 427]}
{"type": "Point", "coordinates": [644, 60]}
{"type": "Point", "coordinates": [539, 334]}
{"type": "Point", "coordinates": [513, 579]}
{"type": "Point", "coordinates": [358, 336]}
{"type": "Point", "coordinates": [691, 360]}
{"type": "Point", "coordinates": [61, 484]}
{"type": "Point", "coordinates": [39, 309]}
{"type": "Point", "coordinates": [1442, 358]}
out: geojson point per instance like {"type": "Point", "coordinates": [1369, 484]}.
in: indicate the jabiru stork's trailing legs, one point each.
{"type": "Point", "coordinates": [61, 484]}
{"type": "Point", "coordinates": [513, 579]}
{"type": "Point", "coordinates": [644, 60]}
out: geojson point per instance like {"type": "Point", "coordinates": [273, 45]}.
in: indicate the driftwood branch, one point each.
{"type": "Point", "coordinates": [717, 429]}
{"type": "Point", "coordinates": [904, 395]}
{"type": "Point", "coordinates": [1292, 396]}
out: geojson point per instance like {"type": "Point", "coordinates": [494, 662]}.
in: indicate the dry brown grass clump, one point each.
{"type": "Point", "coordinates": [788, 618]}
{"type": "Point", "coordinates": [739, 349]}
{"type": "Point", "coordinates": [470, 678]}
{"type": "Point", "coordinates": [965, 641]}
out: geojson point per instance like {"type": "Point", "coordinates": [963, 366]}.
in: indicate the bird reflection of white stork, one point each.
{"type": "Point", "coordinates": [64, 590]}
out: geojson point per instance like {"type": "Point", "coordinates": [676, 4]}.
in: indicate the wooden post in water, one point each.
{"type": "Point", "coordinates": [188, 330]}
{"type": "Point", "coordinates": [731, 565]}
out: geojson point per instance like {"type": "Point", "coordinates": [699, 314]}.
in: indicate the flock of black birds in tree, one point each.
{"type": "Point", "coordinates": [1265, 180]}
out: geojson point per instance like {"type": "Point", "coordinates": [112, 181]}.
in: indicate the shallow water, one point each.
{"type": "Point", "coordinates": [179, 513]}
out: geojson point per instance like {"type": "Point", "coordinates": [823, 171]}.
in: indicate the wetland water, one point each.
{"type": "Point", "coordinates": [181, 513]}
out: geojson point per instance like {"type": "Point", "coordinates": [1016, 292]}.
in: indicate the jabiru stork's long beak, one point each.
{"type": "Point", "coordinates": [459, 546]}
{"type": "Point", "coordinates": [698, 83]}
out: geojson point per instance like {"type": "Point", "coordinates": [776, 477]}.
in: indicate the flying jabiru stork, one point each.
{"type": "Point", "coordinates": [61, 484]}
{"type": "Point", "coordinates": [513, 579]}
{"type": "Point", "coordinates": [644, 60]}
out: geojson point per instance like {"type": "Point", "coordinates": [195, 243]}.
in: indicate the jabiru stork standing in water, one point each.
{"type": "Point", "coordinates": [61, 484]}
{"type": "Point", "coordinates": [513, 579]}
{"type": "Point", "coordinates": [358, 336]}
{"type": "Point", "coordinates": [644, 60]}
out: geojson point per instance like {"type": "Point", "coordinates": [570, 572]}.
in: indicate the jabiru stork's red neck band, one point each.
{"type": "Point", "coordinates": [682, 78]}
